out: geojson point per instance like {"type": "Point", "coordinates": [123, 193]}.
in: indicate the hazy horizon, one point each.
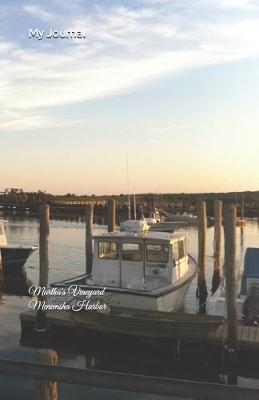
{"type": "Point", "coordinates": [117, 194]}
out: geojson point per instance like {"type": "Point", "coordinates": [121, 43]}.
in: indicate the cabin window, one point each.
{"type": "Point", "coordinates": [131, 251]}
{"type": "Point", "coordinates": [108, 250]}
{"type": "Point", "coordinates": [157, 253]}
{"type": "Point", "coordinates": [179, 250]}
{"type": "Point", "coordinates": [175, 251]}
{"type": "Point", "coordinates": [181, 247]}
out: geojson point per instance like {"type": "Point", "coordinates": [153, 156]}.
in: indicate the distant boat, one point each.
{"type": "Point", "coordinates": [160, 223]}
{"type": "Point", "coordinates": [139, 269]}
{"type": "Point", "coordinates": [184, 217]}
{"type": "Point", "coordinates": [154, 218]}
{"type": "Point", "coordinates": [13, 256]}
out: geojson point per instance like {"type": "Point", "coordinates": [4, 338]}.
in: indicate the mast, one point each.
{"type": "Point", "coordinates": [135, 209]}
{"type": "Point", "coordinates": [243, 206]}
{"type": "Point", "coordinates": [129, 211]}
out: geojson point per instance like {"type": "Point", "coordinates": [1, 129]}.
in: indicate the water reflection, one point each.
{"type": "Point", "coordinates": [216, 277]}
{"type": "Point", "coordinates": [15, 284]}
{"type": "Point", "coordinates": [242, 240]}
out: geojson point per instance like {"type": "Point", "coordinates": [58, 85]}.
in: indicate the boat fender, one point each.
{"type": "Point", "coordinates": [251, 306]}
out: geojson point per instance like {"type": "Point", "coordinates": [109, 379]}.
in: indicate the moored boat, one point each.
{"type": "Point", "coordinates": [13, 256]}
{"type": "Point", "coordinates": [139, 269]}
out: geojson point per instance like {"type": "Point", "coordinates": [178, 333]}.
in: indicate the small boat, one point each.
{"type": "Point", "coordinates": [247, 302]}
{"type": "Point", "coordinates": [154, 218]}
{"type": "Point", "coordinates": [13, 256]}
{"type": "Point", "coordinates": [139, 269]}
{"type": "Point", "coordinates": [184, 217]}
{"type": "Point", "coordinates": [157, 222]}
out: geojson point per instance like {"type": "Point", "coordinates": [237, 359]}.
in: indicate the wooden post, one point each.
{"type": "Point", "coordinates": [44, 254]}
{"type": "Point", "coordinates": [216, 279]}
{"type": "Point", "coordinates": [46, 390]}
{"type": "Point", "coordinates": [89, 237]}
{"type": "Point", "coordinates": [1, 264]}
{"type": "Point", "coordinates": [231, 347]}
{"type": "Point", "coordinates": [44, 263]}
{"type": "Point", "coordinates": [202, 230]}
{"type": "Point", "coordinates": [111, 215]}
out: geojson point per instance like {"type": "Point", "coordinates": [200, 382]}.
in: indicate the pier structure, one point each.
{"type": "Point", "coordinates": [15, 200]}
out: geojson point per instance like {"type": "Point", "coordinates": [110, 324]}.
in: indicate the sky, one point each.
{"type": "Point", "coordinates": [172, 85]}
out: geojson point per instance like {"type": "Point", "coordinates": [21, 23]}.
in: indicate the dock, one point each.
{"type": "Point", "coordinates": [204, 329]}
{"type": "Point", "coordinates": [248, 336]}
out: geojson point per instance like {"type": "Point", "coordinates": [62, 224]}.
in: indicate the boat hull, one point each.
{"type": "Point", "coordinates": [169, 298]}
{"type": "Point", "coordinates": [171, 301]}
{"type": "Point", "coordinates": [15, 257]}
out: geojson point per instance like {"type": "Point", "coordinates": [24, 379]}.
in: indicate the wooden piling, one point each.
{"type": "Point", "coordinates": [44, 255]}
{"type": "Point", "coordinates": [231, 347]}
{"type": "Point", "coordinates": [44, 263]}
{"type": "Point", "coordinates": [46, 390]}
{"type": "Point", "coordinates": [1, 276]}
{"type": "Point", "coordinates": [111, 215]}
{"type": "Point", "coordinates": [89, 237]}
{"type": "Point", "coordinates": [1, 264]}
{"type": "Point", "coordinates": [216, 279]}
{"type": "Point", "coordinates": [202, 230]}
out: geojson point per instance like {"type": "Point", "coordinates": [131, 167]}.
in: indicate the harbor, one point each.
{"type": "Point", "coordinates": [178, 336]}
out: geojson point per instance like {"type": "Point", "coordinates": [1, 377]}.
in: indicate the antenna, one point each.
{"type": "Point", "coordinates": [129, 211]}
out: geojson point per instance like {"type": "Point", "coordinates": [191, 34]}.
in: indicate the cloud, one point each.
{"type": "Point", "coordinates": [39, 13]}
{"type": "Point", "coordinates": [20, 120]}
{"type": "Point", "coordinates": [245, 4]}
{"type": "Point", "coordinates": [126, 49]}
{"type": "Point", "coordinates": [155, 141]}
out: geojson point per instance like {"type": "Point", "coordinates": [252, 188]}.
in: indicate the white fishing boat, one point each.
{"type": "Point", "coordinates": [13, 256]}
{"type": "Point", "coordinates": [247, 301]}
{"type": "Point", "coordinates": [139, 269]}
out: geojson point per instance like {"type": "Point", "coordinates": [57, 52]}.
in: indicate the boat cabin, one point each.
{"type": "Point", "coordinates": [140, 261]}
